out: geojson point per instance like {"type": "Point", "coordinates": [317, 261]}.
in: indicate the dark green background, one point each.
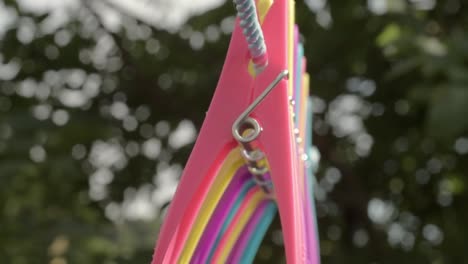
{"type": "Point", "coordinates": [391, 123]}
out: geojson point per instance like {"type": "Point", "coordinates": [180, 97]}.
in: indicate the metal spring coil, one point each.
{"type": "Point", "coordinates": [253, 156]}
{"type": "Point", "coordinates": [247, 13]}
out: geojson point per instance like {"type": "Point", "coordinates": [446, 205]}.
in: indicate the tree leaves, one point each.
{"type": "Point", "coordinates": [448, 111]}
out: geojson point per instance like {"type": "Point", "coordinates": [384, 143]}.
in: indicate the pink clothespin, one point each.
{"type": "Point", "coordinates": [262, 103]}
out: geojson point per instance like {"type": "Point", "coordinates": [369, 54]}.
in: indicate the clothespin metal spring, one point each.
{"type": "Point", "coordinates": [246, 130]}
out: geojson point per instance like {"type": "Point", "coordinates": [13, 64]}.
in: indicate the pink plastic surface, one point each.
{"type": "Point", "coordinates": [235, 91]}
{"type": "Point", "coordinates": [277, 138]}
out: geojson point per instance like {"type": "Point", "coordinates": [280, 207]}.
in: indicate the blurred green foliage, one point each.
{"type": "Point", "coordinates": [97, 120]}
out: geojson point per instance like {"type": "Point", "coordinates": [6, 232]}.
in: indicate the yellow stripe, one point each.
{"type": "Point", "coordinates": [304, 102]}
{"type": "Point", "coordinates": [302, 128]}
{"type": "Point", "coordinates": [232, 163]}
{"type": "Point", "coordinates": [263, 6]}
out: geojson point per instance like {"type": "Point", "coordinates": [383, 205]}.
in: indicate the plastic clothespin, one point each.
{"type": "Point", "coordinates": [235, 92]}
